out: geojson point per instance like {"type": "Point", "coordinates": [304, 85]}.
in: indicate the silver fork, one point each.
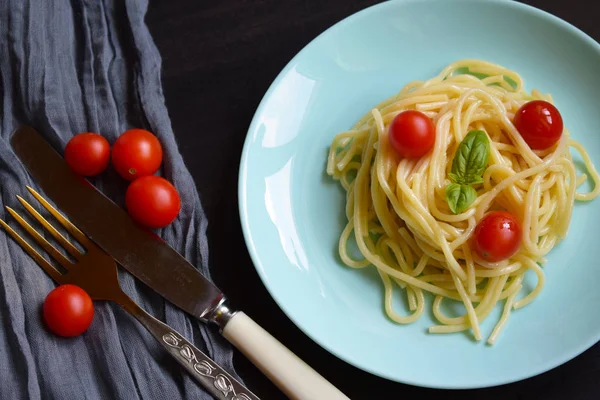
{"type": "Point", "coordinates": [96, 272]}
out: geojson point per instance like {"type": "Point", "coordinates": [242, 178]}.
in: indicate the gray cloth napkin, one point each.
{"type": "Point", "coordinates": [70, 66]}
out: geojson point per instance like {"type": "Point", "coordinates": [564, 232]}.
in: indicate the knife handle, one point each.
{"type": "Point", "coordinates": [288, 372]}
{"type": "Point", "coordinates": [209, 374]}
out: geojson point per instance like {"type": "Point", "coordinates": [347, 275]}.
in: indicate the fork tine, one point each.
{"type": "Point", "coordinates": [73, 230]}
{"type": "Point", "coordinates": [56, 234]}
{"type": "Point", "coordinates": [57, 255]}
{"type": "Point", "coordinates": [50, 270]}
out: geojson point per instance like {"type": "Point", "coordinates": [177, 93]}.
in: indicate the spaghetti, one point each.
{"type": "Point", "coordinates": [399, 216]}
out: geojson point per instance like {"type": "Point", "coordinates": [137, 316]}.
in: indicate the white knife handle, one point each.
{"type": "Point", "coordinates": [288, 372]}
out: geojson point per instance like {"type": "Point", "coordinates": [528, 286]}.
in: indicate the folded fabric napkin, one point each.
{"type": "Point", "coordinates": [71, 66]}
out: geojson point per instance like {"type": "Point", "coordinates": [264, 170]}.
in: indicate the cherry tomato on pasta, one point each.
{"type": "Point", "coordinates": [152, 201]}
{"type": "Point", "coordinates": [136, 153]}
{"type": "Point", "coordinates": [87, 154]}
{"type": "Point", "coordinates": [412, 134]}
{"type": "Point", "coordinates": [497, 236]}
{"type": "Point", "coordinates": [539, 123]}
{"type": "Point", "coordinates": [68, 310]}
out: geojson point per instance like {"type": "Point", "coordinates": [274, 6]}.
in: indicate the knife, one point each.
{"type": "Point", "coordinates": [154, 262]}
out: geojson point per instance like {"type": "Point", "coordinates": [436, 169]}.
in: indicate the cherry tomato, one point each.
{"type": "Point", "coordinates": [136, 153]}
{"type": "Point", "coordinates": [412, 134]}
{"type": "Point", "coordinates": [87, 154]}
{"type": "Point", "coordinates": [152, 201]}
{"type": "Point", "coordinates": [68, 310]}
{"type": "Point", "coordinates": [539, 123]}
{"type": "Point", "coordinates": [497, 236]}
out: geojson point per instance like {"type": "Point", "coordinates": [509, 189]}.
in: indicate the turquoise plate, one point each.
{"type": "Point", "coordinates": [292, 213]}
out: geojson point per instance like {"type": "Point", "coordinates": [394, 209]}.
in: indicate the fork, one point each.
{"type": "Point", "coordinates": [96, 272]}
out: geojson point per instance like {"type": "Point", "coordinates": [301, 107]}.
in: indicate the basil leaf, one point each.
{"type": "Point", "coordinates": [469, 163]}
{"type": "Point", "coordinates": [476, 180]}
{"type": "Point", "coordinates": [471, 158]}
{"type": "Point", "coordinates": [460, 197]}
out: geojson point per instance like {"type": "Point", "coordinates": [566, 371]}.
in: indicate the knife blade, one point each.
{"type": "Point", "coordinates": [154, 262]}
{"type": "Point", "coordinates": [140, 251]}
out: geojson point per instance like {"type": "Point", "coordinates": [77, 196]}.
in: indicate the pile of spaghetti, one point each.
{"type": "Point", "coordinates": [398, 208]}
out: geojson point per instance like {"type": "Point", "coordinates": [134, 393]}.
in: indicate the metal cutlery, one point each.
{"type": "Point", "coordinates": [96, 272]}
{"type": "Point", "coordinates": [154, 262]}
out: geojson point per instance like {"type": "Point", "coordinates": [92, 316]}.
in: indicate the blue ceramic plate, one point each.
{"type": "Point", "coordinates": [292, 213]}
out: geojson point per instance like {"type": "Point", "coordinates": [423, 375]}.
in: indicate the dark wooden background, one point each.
{"type": "Point", "coordinates": [219, 58]}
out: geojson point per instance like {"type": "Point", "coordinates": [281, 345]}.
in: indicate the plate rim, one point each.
{"type": "Point", "coordinates": [243, 201]}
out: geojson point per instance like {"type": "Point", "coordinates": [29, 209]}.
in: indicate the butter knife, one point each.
{"type": "Point", "coordinates": [150, 259]}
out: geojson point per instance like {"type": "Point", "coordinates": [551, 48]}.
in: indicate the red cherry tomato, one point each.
{"type": "Point", "coordinates": [539, 123]}
{"type": "Point", "coordinates": [497, 236]}
{"type": "Point", "coordinates": [87, 154]}
{"type": "Point", "coordinates": [68, 310]}
{"type": "Point", "coordinates": [152, 201]}
{"type": "Point", "coordinates": [412, 134]}
{"type": "Point", "coordinates": [136, 153]}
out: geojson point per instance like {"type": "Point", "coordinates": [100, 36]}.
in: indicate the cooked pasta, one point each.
{"type": "Point", "coordinates": [398, 210]}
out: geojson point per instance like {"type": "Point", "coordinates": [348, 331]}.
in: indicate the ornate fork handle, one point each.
{"type": "Point", "coordinates": [214, 378]}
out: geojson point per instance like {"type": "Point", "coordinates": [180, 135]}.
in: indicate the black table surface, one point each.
{"type": "Point", "coordinates": [219, 58]}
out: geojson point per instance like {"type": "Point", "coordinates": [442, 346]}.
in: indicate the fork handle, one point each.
{"type": "Point", "coordinates": [210, 375]}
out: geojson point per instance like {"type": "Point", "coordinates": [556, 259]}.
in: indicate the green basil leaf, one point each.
{"type": "Point", "coordinates": [476, 180]}
{"type": "Point", "coordinates": [471, 158]}
{"type": "Point", "coordinates": [460, 197]}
